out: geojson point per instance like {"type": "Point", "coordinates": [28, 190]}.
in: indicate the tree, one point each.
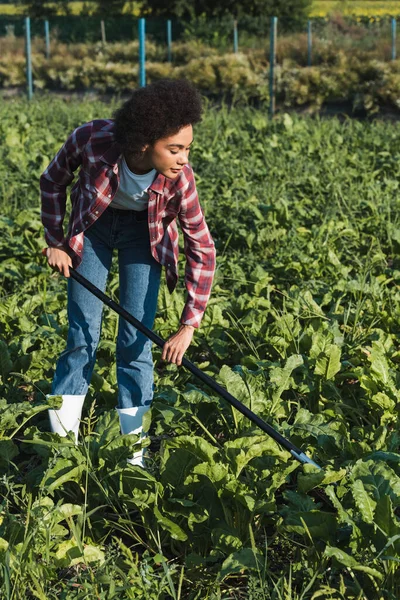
{"type": "Point", "coordinates": [184, 9]}
{"type": "Point", "coordinates": [109, 7]}
{"type": "Point", "coordinates": [38, 8]}
{"type": "Point", "coordinates": [41, 8]}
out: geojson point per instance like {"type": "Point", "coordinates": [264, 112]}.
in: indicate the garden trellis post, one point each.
{"type": "Point", "coordinates": [28, 57]}
{"type": "Point", "coordinates": [142, 52]}
{"type": "Point", "coordinates": [272, 64]}
{"type": "Point", "coordinates": [103, 31]}
{"type": "Point", "coordinates": [309, 43]}
{"type": "Point", "coordinates": [235, 37]}
{"type": "Point", "coordinates": [169, 39]}
{"type": "Point", "coordinates": [394, 26]}
{"type": "Point", "coordinates": [47, 38]}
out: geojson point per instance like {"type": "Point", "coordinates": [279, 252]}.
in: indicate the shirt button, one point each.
{"type": "Point", "coordinates": [96, 212]}
{"type": "Point", "coordinates": [86, 222]}
{"type": "Point", "coordinates": [109, 195]}
{"type": "Point", "coordinates": [76, 230]}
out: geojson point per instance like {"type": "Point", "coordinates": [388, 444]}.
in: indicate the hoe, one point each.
{"type": "Point", "coordinates": [294, 451]}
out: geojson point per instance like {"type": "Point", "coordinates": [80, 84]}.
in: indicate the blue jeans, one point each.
{"type": "Point", "coordinates": [139, 280]}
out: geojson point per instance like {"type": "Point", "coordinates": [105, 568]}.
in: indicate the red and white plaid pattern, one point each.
{"type": "Point", "coordinates": [92, 147]}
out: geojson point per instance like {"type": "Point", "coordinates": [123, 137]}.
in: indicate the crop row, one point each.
{"type": "Point", "coordinates": [339, 75]}
{"type": "Point", "coordinates": [302, 327]}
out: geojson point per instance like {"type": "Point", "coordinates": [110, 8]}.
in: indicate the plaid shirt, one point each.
{"type": "Point", "coordinates": [92, 147]}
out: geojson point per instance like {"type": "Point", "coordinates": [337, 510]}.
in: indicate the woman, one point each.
{"type": "Point", "coordinates": [134, 181]}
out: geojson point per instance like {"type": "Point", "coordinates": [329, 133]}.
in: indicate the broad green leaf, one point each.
{"type": "Point", "coordinates": [8, 451]}
{"type": "Point", "coordinates": [197, 446]}
{"type": "Point", "coordinates": [5, 360]}
{"type": "Point", "coordinates": [282, 377]}
{"type": "Point", "coordinates": [244, 449]}
{"type": "Point", "coordinates": [328, 364]}
{"type": "Point", "coordinates": [69, 510]}
{"type": "Point", "coordinates": [216, 472]}
{"type": "Point", "coordinates": [348, 561]}
{"type": "Point", "coordinates": [383, 401]}
{"type": "Point", "coordinates": [93, 554]}
{"type": "Point", "coordinates": [386, 520]}
{"type": "Point", "coordinates": [320, 525]}
{"type": "Point", "coordinates": [379, 480]}
{"type": "Point", "coordinates": [227, 540]}
{"type": "Point", "coordinates": [235, 386]}
{"type": "Point", "coordinates": [239, 562]}
{"type": "Point", "coordinates": [175, 531]}
{"type": "Point", "coordinates": [68, 554]}
{"type": "Point", "coordinates": [365, 504]}
{"type": "Point", "coordinates": [379, 364]}
{"type": "Point", "coordinates": [308, 481]}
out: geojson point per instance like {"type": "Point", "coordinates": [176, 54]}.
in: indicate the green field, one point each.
{"type": "Point", "coordinates": [302, 327]}
{"type": "Point", "coordinates": [357, 8]}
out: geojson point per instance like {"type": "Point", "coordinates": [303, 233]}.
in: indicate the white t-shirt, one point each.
{"type": "Point", "coordinates": [132, 192]}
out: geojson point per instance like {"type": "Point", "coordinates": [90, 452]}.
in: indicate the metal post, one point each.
{"type": "Point", "coordinates": [28, 57]}
{"type": "Point", "coordinates": [309, 43]}
{"type": "Point", "coordinates": [394, 26]}
{"type": "Point", "coordinates": [142, 52]}
{"type": "Point", "coordinates": [235, 37]}
{"type": "Point", "coordinates": [103, 31]}
{"type": "Point", "coordinates": [169, 39]}
{"type": "Point", "coordinates": [47, 38]}
{"type": "Point", "coordinates": [272, 64]}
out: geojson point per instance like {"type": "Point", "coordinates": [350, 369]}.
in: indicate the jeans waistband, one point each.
{"type": "Point", "coordinates": [140, 215]}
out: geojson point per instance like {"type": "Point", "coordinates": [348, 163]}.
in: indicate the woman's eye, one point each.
{"type": "Point", "coordinates": [172, 152]}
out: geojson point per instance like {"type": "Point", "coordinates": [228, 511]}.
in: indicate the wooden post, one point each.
{"type": "Point", "coordinates": [47, 38]}
{"type": "Point", "coordinates": [394, 26]}
{"type": "Point", "coordinates": [142, 52]}
{"type": "Point", "coordinates": [309, 43]}
{"type": "Point", "coordinates": [235, 37]}
{"type": "Point", "coordinates": [272, 64]}
{"type": "Point", "coordinates": [28, 58]}
{"type": "Point", "coordinates": [103, 32]}
{"type": "Point", "coordinates": [169, 39]}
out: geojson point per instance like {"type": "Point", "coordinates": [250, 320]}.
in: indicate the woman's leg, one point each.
{"type": "Point", "coordinates": [75, 365]}
{"type": "Point", "coordinates": [139, 275]}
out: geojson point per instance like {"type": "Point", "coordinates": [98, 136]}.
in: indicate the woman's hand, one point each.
{"type": "Point", "coordinates": [59, 260]}
{"type": "Point", "coordinates": [176, 346]}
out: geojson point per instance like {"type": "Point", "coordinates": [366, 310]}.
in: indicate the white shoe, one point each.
{"type": "Point", "coordinates": [130, 420]}
{"type": "Point", "coordinates": [67, 418]}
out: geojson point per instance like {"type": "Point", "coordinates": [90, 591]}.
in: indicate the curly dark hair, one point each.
{"type": "Point", "coordinates": [156, 111]}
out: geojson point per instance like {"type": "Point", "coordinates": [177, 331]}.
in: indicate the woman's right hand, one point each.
{"type": "Point", "coordinates": [59, 260]}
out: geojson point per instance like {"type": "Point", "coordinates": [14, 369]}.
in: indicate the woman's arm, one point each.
{"type": "Point", "coordinates": [199, 271]}
{"type": "Point", "coordinates": [54, 181]}
{"type": "Point", "coordinates": [199, 252]}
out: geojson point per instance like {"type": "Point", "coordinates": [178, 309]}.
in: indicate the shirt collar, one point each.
{"type": "Point", "coordinates": [159, 184]}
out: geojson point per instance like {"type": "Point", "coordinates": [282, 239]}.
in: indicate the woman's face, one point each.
{"type": "Point", "coordinates": [167, 155]}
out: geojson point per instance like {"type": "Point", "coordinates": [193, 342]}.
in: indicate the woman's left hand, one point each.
{"type": "Point", "coordinates": [176, 346]}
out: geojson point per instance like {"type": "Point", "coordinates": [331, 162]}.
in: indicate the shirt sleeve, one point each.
{"type": "Point", "coordinates": [54, 181]}
{"type": "Point", "coordinates": [200, 255]}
